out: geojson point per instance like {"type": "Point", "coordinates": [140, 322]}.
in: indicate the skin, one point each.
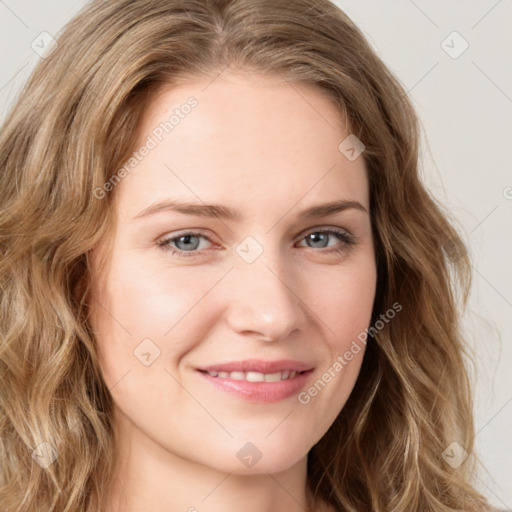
{"type": "Point", "coordinates": [270, 150]}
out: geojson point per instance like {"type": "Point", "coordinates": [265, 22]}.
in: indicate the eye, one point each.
{"type": "Point", "coordinates": [319, 236]}
{"type": "Point", "coordinates": [188, 244]}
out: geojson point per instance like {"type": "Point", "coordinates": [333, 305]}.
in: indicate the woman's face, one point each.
{"type": "Point", "coordinates": [260, 293]}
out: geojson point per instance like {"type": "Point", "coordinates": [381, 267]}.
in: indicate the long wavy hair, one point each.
{"type": "Point", "coordinates": [73, 127]}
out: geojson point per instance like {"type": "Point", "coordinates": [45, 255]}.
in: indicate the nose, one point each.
{"type": "Point", "coordinates": [265, 300]}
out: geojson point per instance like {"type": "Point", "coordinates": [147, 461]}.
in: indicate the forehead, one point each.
{"type": "Point", "coordinates": [249, 140]}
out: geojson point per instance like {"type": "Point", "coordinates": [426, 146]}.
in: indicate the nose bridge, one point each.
{"type": "Point", "coordinates": [264, 299]}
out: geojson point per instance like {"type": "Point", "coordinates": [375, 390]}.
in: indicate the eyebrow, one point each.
{"type": "Point", "coordinates": [226, 212]}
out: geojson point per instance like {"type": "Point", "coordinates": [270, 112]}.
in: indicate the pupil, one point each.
{"type": "Point", "coordinates": [316, 236]}
{"type": "Point", "coordinates": [187, 238]}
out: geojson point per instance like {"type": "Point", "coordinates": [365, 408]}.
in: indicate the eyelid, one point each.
{"type": "Point", "coordinates": [325, 227]}
{"type": "Point", "coordinates": [345, 237]}
{"type": "Point", "coordinates": [193, 232]}
{"type": "Point", "coordinates": [302, 234]}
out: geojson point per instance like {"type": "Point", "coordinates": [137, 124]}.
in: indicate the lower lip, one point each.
{"type": "Point", "coordinates": [260, 391]}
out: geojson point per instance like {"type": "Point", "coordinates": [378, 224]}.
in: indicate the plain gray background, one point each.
{"type": "Point", "coordinates": [461, 85]}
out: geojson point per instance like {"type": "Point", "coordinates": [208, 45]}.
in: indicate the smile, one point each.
{"type": "Point", "coordinates": [255, 376]}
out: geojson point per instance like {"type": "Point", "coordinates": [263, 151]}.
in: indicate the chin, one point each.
{"type": "Point", "coordinates": [252, 458]}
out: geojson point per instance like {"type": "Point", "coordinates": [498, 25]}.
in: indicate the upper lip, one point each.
{"type": "Point", "coordinates": [258, 365]}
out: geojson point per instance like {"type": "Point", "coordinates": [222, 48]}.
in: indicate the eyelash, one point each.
{"type": "Point", "coordinates": [347, 239]}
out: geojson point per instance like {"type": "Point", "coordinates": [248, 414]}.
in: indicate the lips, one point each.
{"type": "Point", "coordinates": [257, 380]}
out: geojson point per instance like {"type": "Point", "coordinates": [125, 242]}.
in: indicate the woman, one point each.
{"type": "Point", "coordinates": [254, 369]}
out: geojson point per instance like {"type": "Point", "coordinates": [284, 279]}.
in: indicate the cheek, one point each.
{"type": "Point", "coordinates": [136, 302]}
{"type": "Point", "coordinates": [344, 302]}
{"type": "Point", "coordinates": [344, 305]}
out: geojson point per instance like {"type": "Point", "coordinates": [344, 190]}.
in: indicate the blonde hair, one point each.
{"type": "Point", "coordinates": [73, 127]}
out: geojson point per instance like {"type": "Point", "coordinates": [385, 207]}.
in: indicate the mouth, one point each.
{"type": "Point", "coordinates": [258, 381]}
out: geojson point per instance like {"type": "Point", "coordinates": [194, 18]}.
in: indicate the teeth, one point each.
{"type": "Point", "coordinates": [255, 376]}
{"type": "Point", "coordinates": [273, 377]}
